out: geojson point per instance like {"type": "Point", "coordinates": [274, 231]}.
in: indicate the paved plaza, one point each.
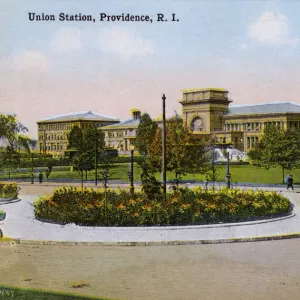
{"type": "Point", "coordinates": [21, 224]}
{"type": "Point", "coordinates": [246, 271]}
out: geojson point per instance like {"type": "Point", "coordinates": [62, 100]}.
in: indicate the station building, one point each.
{"type": "Point", "coordinates": [53, 132]}
{"type": "Point", "coordinates": [206, 112]}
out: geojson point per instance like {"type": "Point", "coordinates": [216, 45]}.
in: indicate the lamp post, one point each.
{"type": "Point", "coordinates": [96, 156]}
{"type": "Point", "coordinates": [32, 178]}
{"type": "Point", "coordinates": [213, 166]}
{"type": "Point", "coordinates": [130, 172]}
{"type": "Point", "coordinates": [227, 171]}
{"type": "Point", "coordinates": [164, 172]}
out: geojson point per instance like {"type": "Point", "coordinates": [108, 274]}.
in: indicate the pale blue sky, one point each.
{"type": "Point", "coordinates": [252, 48]}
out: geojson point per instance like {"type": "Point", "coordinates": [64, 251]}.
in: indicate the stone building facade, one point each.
{"type": "Point", "coordinates": [207, 112]}
{"type": "Point", "coordinates": [121, 136]}
{"type": "Point", "coordinates": [53, 133]}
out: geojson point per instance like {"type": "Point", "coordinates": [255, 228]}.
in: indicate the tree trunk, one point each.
{"type": "Point", "coordinates": [85, 175]}
{"type": "Point", "coordinates": [282, 174]}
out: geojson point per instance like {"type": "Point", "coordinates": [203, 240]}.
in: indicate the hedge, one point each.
{"type": "Point", "coordinates": [9, 190]}
{"type": "Point", "coordinates": [182, 207]}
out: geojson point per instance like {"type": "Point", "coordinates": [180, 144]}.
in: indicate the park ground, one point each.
{"type": "Point", "coordinates": [239, 174]}
{"type": "Point", "coordinates": [257, 270]}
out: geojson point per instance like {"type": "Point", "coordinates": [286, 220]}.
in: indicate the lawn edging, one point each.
{"type": "Point", "coordinates": [163, 243]}
{"type": "Point", "coordinates": [177, 227]}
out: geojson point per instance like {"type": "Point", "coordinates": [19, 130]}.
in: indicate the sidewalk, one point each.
{"type": "Point", "coordinates": [123, 184]}
{"type": "Point", "coordinates": [21, 224]}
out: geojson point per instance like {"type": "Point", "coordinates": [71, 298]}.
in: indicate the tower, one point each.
{"type": "Point", "coordinates": [203, 109]}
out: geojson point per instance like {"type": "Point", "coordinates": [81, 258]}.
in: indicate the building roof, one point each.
{"type": "Point", "coordinates": [214, 89]}
{"type": "Point", "coordinates": [263, 108]}
{"type": "Point", "coordinates": [80, 116]}
{"type": "Point", "coordinates": [127, 123]}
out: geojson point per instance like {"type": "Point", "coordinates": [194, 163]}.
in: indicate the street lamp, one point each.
{"type": "Point", "coordinates": [96, 156]}
{"type": "Point", "coordinates": [32, 178]}
{"type": "Point", "coordinates": [130, 172]}
{"type": "Point", "coordinates": [228, 175]}
{"type": "Point", "coordinates": [213, 166]}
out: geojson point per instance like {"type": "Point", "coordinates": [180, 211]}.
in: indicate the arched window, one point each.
{"type": "Point", "coordinates": [197, 124]}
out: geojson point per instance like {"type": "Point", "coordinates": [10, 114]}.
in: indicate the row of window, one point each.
{"type": "Point", "coordinates": [120, 133]}
{"type": "Point", "coordinates": [69, 126]}
{"type": "Point", "coordinates": [252, 126]}
{"type": "Point", "coordinates": [57, 126]}
{"type": "Point", "coordinates": [295, 124]}
{"type": "Point", "coordinates": [61, 136]}
{"type": "Point", "coordinates": [251, 141]}
{"type": "Point", "coordinates": [52, 147]}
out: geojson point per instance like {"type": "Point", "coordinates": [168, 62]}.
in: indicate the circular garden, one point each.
{"type": "Point", "coordinates": [182, 206]}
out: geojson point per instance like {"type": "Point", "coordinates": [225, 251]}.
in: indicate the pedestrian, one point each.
{"type": "Point", "coordinates": [47, 174]}
{"type": "Point", "coordinates": [290, 182]}
{"type": "Point", "coordinates": [41, 177]}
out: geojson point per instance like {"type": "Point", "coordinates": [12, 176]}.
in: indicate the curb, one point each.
{"type": "Point", "coordinates": [10, 201]}
{"type": "Point", "coordinates": [174, 227]}
{"type": "Point", "coordinates": [162, 243]}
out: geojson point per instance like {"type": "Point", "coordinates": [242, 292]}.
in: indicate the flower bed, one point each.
{"type": "Point", "coordinates": [2, 215]}
{"type": "Point", "coordinates": [182, 207]}
{"type": "Point", "coordinates": [8, 191]}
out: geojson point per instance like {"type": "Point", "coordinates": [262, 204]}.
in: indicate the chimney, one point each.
{"type": "Point", "coordinates": [136, 113]}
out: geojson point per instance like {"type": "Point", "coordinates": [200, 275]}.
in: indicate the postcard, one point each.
{"type": "Point", "coordinates": [149, 149]}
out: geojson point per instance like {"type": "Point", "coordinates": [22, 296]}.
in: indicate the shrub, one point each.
{"type": "Point", "coordinates": [182, 206]}
{"type": "Point", "coordinates": [8, 190]}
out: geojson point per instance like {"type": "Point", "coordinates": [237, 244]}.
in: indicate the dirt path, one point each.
{"type": "Point", "coordinates": [263, 270]}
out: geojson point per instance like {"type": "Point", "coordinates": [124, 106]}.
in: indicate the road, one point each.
{"type": "Point", "coordinates": [258, 270]}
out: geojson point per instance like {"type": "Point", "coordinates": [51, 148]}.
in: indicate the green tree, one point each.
{"type": "Point", "coordinates": [11, 130]}
{"type": "Point", "coordinates": [12, 133]}
{"type": "Point", "coordinates": [88, 142]}
{"type": "Point", "coordinates": [277, 148]}
{"type": "Point", "coordinates": [184, 153]}
{"type": "Point", "coordinates": [145, 133]}
{"type": "Point", "coordinates": [82, 162]}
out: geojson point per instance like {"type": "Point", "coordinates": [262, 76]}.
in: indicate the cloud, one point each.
{"type": "Point", "coordinates": [31, 61]}
{"type": "Point", "coordinates": [271, 28]}
{"type": "Point", "coordinates": [124, 44]}
{"type": "Point", "coordinates": [66, 40]}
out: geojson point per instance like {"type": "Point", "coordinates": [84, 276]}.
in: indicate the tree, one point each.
{"type": "Point", "coordinates": [80, 161]}
{"type": "Point", "coordinates": [87, 142]}
{"type": "Point", "coordinates": [184, 153]}
{"type": "Point", "coordinates": [277, 147]}
{"type": "Point", "coordinates": [145, 133]}
{"type": "Point", "coordinates": [12, 133]}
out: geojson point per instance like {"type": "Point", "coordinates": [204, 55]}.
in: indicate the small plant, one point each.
{"type": "Point", "coordinates": [8, 190]}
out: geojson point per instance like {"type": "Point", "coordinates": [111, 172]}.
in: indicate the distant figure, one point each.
{"type": "Point", "coordinates": [41, 177]}
{"type": "Point", "coordinates": [47, 174]}
{"type": "Point", "coordinates": [290, 182]}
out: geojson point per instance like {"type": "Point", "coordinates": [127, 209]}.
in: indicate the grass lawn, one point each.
{"type": "Point", "coordinates": [7, 292]}
{"type": "Point", "coordinates": [239, 173]}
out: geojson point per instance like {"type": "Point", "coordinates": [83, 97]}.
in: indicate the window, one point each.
{"type": "Point", "coordinates": [197, 124]}
{"type": "Point", "coordinates": [248, 142]}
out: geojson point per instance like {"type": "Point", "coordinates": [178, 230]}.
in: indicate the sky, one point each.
{"type": "Point", "coordinates": [250, 48]}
